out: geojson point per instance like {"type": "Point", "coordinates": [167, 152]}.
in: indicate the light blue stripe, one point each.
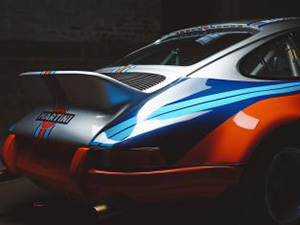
{"type": "Point", "coordinates": [11, 128]}
{"type": "Point", "coordinates": [210, 105]}
{"type": "Point", "coordinates": [125, 70]}
{"type": "Point", "coordinates": [130, 122]}
{"type": "Point", "coordinates": [129, 68]}
{"type": "Point", "coordinates": [191, 102]}
{"type": "Point", "coordinates": [115, 70]}
{"type": "Point", "coordinates": [106, 145]}
{"type": "Point", "coordinates": [95, 143]}
{"type": "Point", "coordinates": [223, 102]}
{"type": "Point", "coordinates": [37, 131]}
{"type": "Point", "coordinates": [121, 126]}
{"type": "Point", "coordinates": [48, 131]}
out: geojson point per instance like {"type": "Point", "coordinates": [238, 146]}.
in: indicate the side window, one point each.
{"type": "Point", "coordinates": [274, 60]}
{"type": "Point", "coordinates": [296, 38]}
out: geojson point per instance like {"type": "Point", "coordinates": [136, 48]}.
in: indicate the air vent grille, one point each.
{"type": "Point", "coordinates": [140, 81]}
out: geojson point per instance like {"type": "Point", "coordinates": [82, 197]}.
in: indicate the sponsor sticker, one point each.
{"type": "Point", "coordinates": [54, 117]}
{"type": "Point", "coordinates": [122, 69]}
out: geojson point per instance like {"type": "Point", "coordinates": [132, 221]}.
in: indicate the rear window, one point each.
{"type": "Point", "coordinates": [183, 51]}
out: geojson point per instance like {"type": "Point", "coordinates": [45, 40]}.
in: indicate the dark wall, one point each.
{"type": "Point", "coordinates": [67, 35]}
{"type": "Point", "coordinates": [87, 34]}
{"type": "Point", "coordinates": [97, 30]}
{"type": "Point", "coordinates": [179, 14]}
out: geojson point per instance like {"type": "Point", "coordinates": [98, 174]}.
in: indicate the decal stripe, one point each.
{"type": "Point", "coordinates": [206, 106]}
{"type": "Point", "coordinates": [48, 131]}
{"type": "Point", "coordinates": [122, 69]}
{"type": "Point", "coordinates": [120, 126]}
{"type": "Point", "coordinates": [222, 102]}
{"type": "Point", "coordinates": [37, 130]}
{"type": "Point", "coordinates": [11, 128]}
{"type": "Point", "coordinates": [42, 132]}
{"type": "Point", "coordinates": [256, 21]}
{"type": "Point", "coordinates": [176, 106]}
{"type": "Point", "coordinates": [214, 97]}
{"type": "Point", "coordinates": [129, 67]}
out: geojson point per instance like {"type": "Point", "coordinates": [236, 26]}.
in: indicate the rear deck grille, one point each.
{"type": "Point", "coordinates": [140, 81]}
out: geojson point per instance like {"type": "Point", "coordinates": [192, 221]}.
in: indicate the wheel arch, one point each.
{"type": "Point", "coordinates": [285, 134]}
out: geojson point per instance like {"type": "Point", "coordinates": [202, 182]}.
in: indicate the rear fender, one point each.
{"type": "Point", "coordinates": [234, 141]}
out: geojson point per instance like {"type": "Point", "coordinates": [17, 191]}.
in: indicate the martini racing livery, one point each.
{"type": "Point", "coordinates": [202, 112]}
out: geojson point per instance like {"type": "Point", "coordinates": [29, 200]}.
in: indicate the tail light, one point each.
{"type": "Point", "coordinates": [9, 153]}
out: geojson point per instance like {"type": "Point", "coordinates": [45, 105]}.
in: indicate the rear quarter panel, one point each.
{"type": "Point", "coordinates": [234, 140]}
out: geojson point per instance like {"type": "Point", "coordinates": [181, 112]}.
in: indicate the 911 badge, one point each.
{"type": "Point", "coordinates": [53, 117]}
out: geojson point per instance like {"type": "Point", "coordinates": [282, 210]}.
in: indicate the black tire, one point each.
{"type": "Point", "coordinates": [282, 187]}
{"type": "Point", "coordinates": [269, 191]}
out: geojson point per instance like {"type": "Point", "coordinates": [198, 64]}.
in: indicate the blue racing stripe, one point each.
{"type": "Point", "coordinates": [222, 102]}
{"type": "Point", "coordinates": [251, 23]}
{"type": "Point", "coordinates": [47, 132]}
{"type": "Point", "coordinates": [218, 96]}
{"type": "Point", "coordinates": [121, 126]}
{"type": "Point", "coordinates": [176, 106]}
{"type": "Point", "coordinates": [37, 131]}
{"type": "Point", "coordinates": [11, 128]}
{"type": "Point", "coordinates": [210, 105]}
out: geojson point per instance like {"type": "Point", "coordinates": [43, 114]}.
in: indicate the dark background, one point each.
{"type": "Point", "coordinates": [87, 34]}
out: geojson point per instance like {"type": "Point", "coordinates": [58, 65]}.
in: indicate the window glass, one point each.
{"type": "Point", "coordinates": [183, 51]}
{"type": "Point", "coordinates": [278, 59]}
{"type": "Point", "coordinates": [296, 38]}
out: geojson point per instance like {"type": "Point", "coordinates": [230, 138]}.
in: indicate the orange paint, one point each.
{"type": "Point", "coordinates": [77, 162]}
{"type": "Point", "coordinates": [162, 185]}
{"type": "Point", "coordinates": [232, 143]}
{"type": "Point", "coordinates": [9, 153]}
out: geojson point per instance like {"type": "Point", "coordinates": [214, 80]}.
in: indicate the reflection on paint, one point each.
{"type": "Point", "coordinates": [245, 121]}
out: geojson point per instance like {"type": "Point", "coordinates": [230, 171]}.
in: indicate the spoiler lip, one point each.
{"type": "Point", "coordinates": [86, 73]}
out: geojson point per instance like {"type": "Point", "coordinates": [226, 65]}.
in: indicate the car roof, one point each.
{"type": "Point", "coordinates": [264, 27]}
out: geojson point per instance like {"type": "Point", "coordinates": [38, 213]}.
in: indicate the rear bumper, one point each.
{"type": "Point", "coordinates": [158, 185]}
{"type": "Point", "coordinates": [164, 185]}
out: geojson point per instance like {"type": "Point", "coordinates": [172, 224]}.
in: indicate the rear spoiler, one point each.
{"type": "Point", "coordinates": [85, 73]}
{"type": "Point", "coordinates": [87, 89]}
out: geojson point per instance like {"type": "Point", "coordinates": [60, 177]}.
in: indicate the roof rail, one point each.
{"type": "Point", "coordinates": [249, 25]}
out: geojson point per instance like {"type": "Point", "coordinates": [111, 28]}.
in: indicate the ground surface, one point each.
{"type": "Point", "coordinates": [21, 202]}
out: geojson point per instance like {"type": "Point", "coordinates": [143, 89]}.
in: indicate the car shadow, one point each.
{"type": "Point", "coordinates": [38, 207]}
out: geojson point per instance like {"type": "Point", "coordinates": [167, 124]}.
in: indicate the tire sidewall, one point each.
{"type": "Point", "coordinates": [247, 200]}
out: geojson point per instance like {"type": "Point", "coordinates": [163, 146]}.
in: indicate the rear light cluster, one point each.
{"type": "Point", "coordinates": [134, 159]}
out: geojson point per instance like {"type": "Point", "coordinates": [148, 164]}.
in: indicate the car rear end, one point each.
{"type": "Point", "coordinates": [52, 144]}
{"type": "Point", "coordinates": [68, 109]}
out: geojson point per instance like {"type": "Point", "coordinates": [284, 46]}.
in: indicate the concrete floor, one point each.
{"type": "Point", "coordinates": [21, 202]}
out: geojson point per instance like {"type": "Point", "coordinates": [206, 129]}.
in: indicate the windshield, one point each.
{"type": "Point", "coordinates": [183, 51]}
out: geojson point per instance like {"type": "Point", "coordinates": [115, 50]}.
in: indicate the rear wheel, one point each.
{"type": "Point", "coordinates": [282, 188]}
{"type": "Point", "coordinates": [269, 192]}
